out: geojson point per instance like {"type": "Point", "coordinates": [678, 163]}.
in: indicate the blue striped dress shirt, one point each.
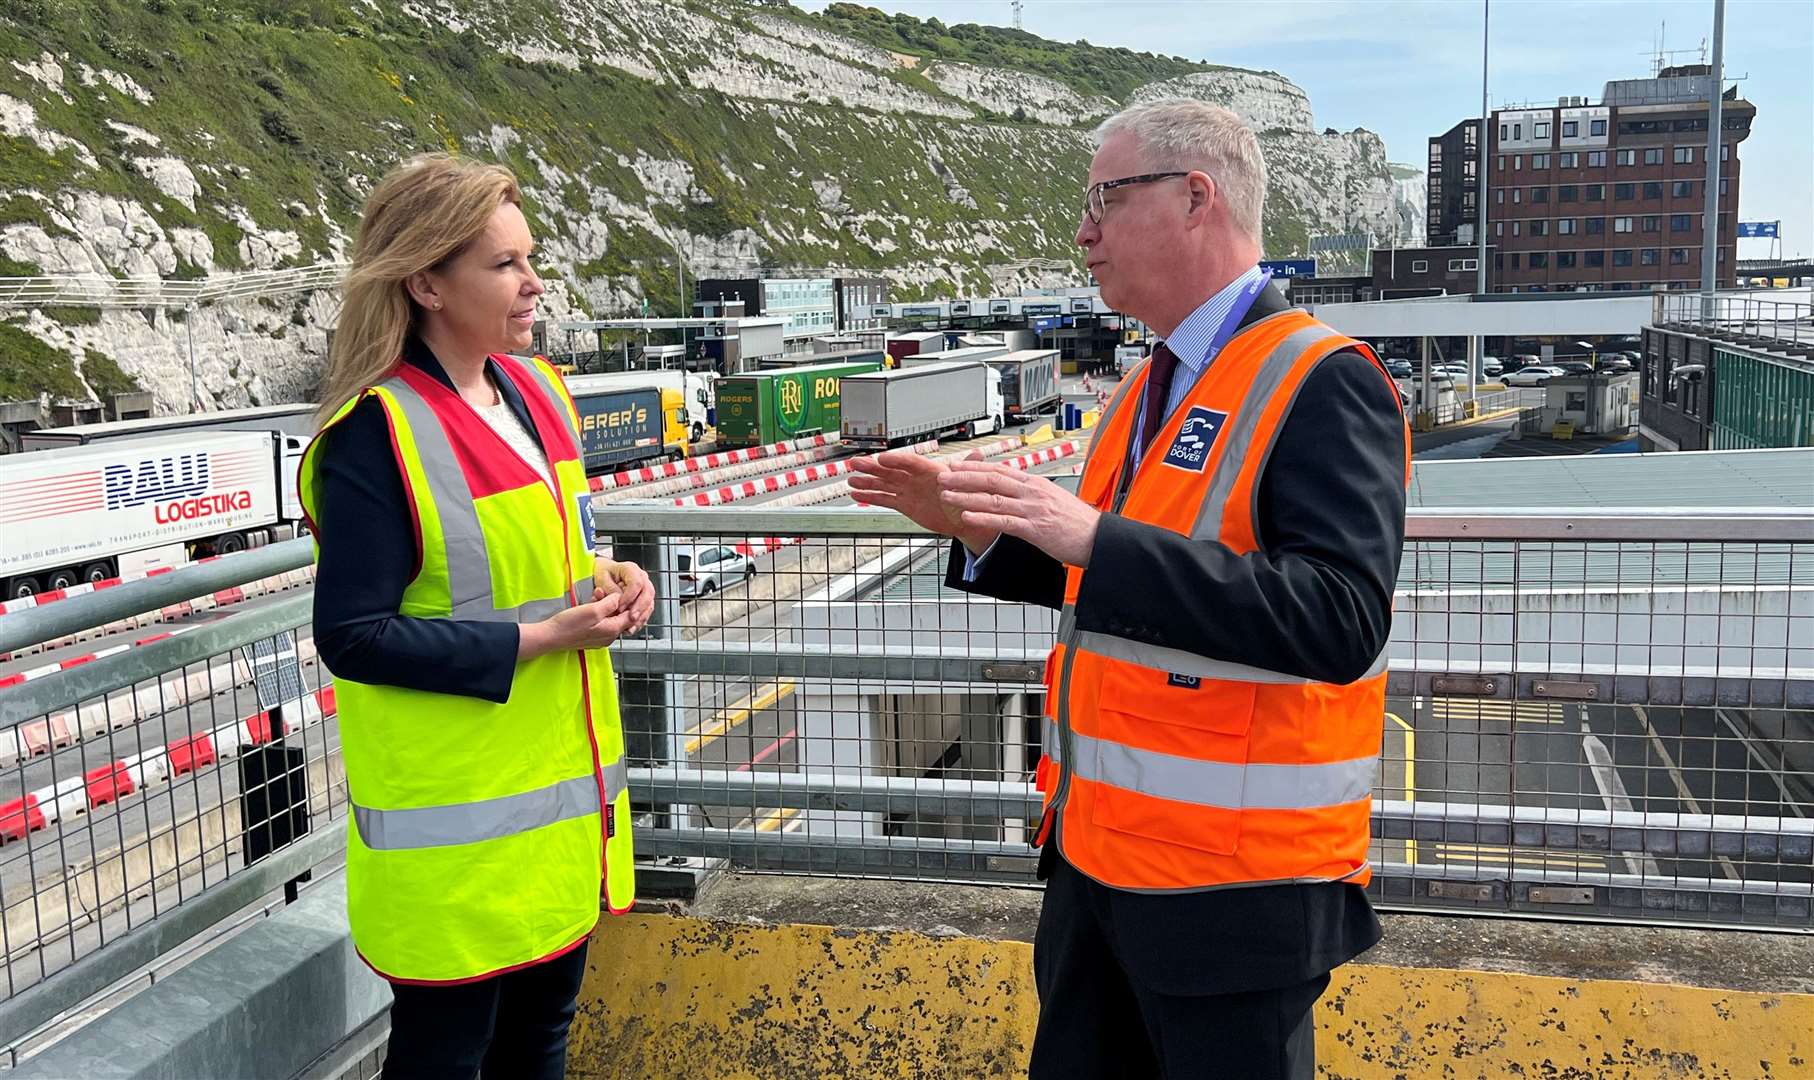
{"type": "Point", "coordinates": [1191, 341]}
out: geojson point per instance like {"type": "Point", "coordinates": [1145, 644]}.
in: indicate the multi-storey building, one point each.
{"type": "Point", "coordinates": [1607, 196]}
{"type": "Point", "coordinates": [1452, 174]}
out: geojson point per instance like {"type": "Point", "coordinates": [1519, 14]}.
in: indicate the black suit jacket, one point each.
{"type": "Point", "coordinates": [1315, 600]}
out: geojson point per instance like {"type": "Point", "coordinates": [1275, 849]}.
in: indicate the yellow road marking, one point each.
{"type": "Point", "coordinates": [1522, 712]}
{"type": "Point", "coordinates": [728, 718]}
{"type": "Point", "coordinates": [774, 819]}
{"type": "Point", "coordinates": [1410, 778]}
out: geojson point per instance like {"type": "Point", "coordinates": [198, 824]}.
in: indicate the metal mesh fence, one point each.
{"type": "Point", "coordinates": [1599, 717]}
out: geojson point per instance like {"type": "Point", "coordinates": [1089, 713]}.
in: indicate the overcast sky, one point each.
{"type": "Point", "coordinates": [1409, 69]}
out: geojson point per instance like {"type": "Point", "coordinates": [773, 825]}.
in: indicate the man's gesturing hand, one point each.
{"type": "Point", "coordinates": [908, 483]}
{"type": "Point", "coordinates": [998, 499]}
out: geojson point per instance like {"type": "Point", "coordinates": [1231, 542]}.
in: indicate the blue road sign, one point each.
{"type": "Point", "coordinates": [1295, 267]}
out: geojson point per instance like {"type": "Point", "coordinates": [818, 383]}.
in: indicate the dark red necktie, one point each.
{"type": "Point", "coordinates": [1158, 393]}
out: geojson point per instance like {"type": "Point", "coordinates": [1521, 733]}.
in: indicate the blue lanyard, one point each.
{"type": "Point", "coordinates": [1231, 322]}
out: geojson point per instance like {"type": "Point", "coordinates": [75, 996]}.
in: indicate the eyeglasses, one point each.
{"type": "Point", "coordinates": [1092, 199]}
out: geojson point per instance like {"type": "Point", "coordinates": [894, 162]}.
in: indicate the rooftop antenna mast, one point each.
{"type": "Point", "coordinates": [1661, 57]}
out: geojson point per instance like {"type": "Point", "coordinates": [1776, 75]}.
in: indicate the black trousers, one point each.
{"type": "Point", "coordinates": [1100, 1019]}
{"type": "Point", "coordinates": [507, 1027]}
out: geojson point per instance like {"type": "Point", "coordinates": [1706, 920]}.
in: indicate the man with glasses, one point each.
{"type": "Point", "coordinates": [1224, 575]}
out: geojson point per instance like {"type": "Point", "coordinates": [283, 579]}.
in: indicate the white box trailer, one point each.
{"type": "Point", "coordinates": [967, 353]}
{"type": "Point", "coordinates": [94, 512]}
{"type": "Point", "coordinates": [910, 404]}
{"type": "Point", "coordinates": [1029, 382]}
{"type": "Point", "coordinates": [296, 420]}
{"type": "Point", "coordinates": [693, 386]}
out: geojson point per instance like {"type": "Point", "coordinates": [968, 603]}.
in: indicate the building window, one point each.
{"type": "Point", "coordinates": [1514, 263]}
{"type": "Point", "coordinates": [1499, 163]}
{"type": "Point", "coordinates": [1684, 155]}
{"type": "Point", "coordinates": [1516, 225]}
{"type": "Point", "coordinates": [1567, 193]}
{"type": "Point", "coordinates": [1454, 266]}
{"type": "Point", "coordinates": [1571, 128]}
{"type": "Point", "coordinates": [1517, 162]}
{"type": "Point", "coordinates": [1540, 130]}
{"type": "Point", "coordinates": [1467, 200]}
{"type": "Point", "coordinates": [1422, 266]}
{"type": "Point", "coordinates": [1625, 191]}
{"type": "Point", "coordinates": [1653, 223]}
{"type": "Point", "coordinates": [1517, 132]}
{"type": "Point", "coordinates": [1653, 156]}
{"type": "Point", "coordinates": [1565, 260]}
{"type": "Point", "coordinates": [1681, 222]}
{"type": "Point", "coordinates": [1517, 195]}
{"type": "Point", "coordinates": [1540, 194]}
{"type": "Point", "coordinates": [1596, 127]}
{"type": "Point", "coordinates": [1628, 157]}
{"type": "Point", "coordinates": [1595, 193]}
{"type": "Point", "coordinates": [1725, 151]}
{"type": "Point", "coordinates": [1569, 160]}
{"type": "Point", "coordinates": [1498, 228]}
{"type": "Point", "coordinates": [1683, 189]}
{"type": "Point", "coordinates": [1593, 258]}
{"type": "Point", "coordinates": [1621, 224]}
{"type": "Point", "coordinates": [1653, 189]}
{"type": "Point", "coordinates": [1469, 133]}
{"type": "Point", "coordinates": [1540, 227]}
{"type": "Point", "coordinates": [1499, 195]}
{"type": "Point", "coordinates": [1678, 256]}
{"type": "Point", "coordinates": [1596, 159]}
{"type": "Point", "coordinates": [1622, 257]}
{"type": "Point", "coordinates": [1649, 256]}
{"type": "Point", "coordinates": [1468, 170]}
{"type": "Point", "coordinates": [1565, 226]}
{"type": "Point", "coordinates": [1539, 260]}
{"type": "Point", "coordinates": [1722, 185]}
{"type": "Point", "coordinates": [1499, 262]}
{"type": "Point", "coordinates": [1502, 135]}
{"type": "Point", "coordinates": [1539, 161]}
{"type": "Point", "coordinates": [1596, 226]}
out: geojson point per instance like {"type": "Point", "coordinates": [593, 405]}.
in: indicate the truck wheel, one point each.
{"type": "Point", "coordinates": [21, 587]}
{"type": "Point", "coordinates": [61, 579]}
{"type": "Point", "coordinates": [698, 432]}
{"type": "Point", "coordinates": [968, 431]}
{"type": "Point", "coordinates": [228, 544]}
{"type": "Point", "coordinates": [97, 571]}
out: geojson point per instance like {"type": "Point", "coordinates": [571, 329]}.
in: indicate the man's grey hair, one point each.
{"type": "Point", "coordinates": [1186, 134]}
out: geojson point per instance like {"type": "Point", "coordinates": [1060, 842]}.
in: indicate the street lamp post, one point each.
{"type": "Point", "coordinates": [1710, 221]}
{"type": "Point", "coordinates": [1481, 144]}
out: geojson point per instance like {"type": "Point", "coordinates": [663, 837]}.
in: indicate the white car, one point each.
{"type": "Point", "coordinates": [1533, 376]}
{"type": "Point", "coordinates": [1490, 365]}
{"type": "Point", "coordinates": [705, 569]}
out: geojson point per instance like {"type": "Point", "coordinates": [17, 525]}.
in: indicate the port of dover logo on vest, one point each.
{"type": "Point", "coordinates": [1190, 450]}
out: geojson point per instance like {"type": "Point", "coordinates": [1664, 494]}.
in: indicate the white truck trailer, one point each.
{"type": "Point", "coordinates": [88, 513]}
{"type": "Point", "coordinates": [296, 420]}
{"type": "Point", "coordinates": [910, 404]}
{"type": "Point", "coordinates": [1029, 382]}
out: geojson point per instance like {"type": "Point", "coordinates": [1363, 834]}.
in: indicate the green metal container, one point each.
{"type": "Point", "coordinates": [761, 407]}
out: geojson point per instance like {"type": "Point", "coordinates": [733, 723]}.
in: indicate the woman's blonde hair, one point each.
{"type": "Point", "coordinates": [421, 215]}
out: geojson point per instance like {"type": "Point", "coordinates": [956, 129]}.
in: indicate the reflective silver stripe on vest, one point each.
{"type": "Point", "coordinates": [1246, 421]}
{"type": "Point", "coordinates": [1049, 740]}
{"type": "Point", "coordinates": [1179, 662]}
{"type": "Point", "coordinates": [488, 819]}
{"type": "Point", "coordinates": [554, 396]}
{"type": "Point", "coordinates": [468, 562]}
{"type": "Point", "coordinates": [1220, 783]}
{"type": "Point", "coordinates": [1067, 621]}
{"type": "Point", "coordinates": [468, 565]}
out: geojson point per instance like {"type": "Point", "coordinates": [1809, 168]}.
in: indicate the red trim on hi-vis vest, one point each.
{"type": "Point", "coordinates": [487, 461]}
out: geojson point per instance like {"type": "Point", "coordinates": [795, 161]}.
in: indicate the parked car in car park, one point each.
{"type": "Point", "coordinates": [1575, 367]}
{"type": "Point", "coordinates": [1490, 365]}
{"type": "Point", "coordinates": [1398, 367]}
{"type": "Point", "coordinates": [1616, 363]}
{"type": "Point", "coordinates": [1522, 360]}
{"type": "Point", "coordinates": [1535, 375]}
{"type": "Point", "coordinates": [706, 568]}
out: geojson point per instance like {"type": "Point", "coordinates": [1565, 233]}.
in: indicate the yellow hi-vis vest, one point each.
{"type": "Point", "coordinates": [481, 832]}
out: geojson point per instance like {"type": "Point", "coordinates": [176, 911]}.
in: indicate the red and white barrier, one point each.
{"type": "Point", "coordinates": [719, 476]}
{"type": "Point", "coordinates": [708, 461]}
{"type": "Point", "coordinates": [124, 708]}
{"type": "Point", "coordinates": [109, 783]}
{"type": "Point", "coordinates": [289, 579]}
{"type": "Point", "coordinates": [18, 677]}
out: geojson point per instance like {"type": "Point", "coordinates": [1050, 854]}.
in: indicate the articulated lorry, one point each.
{"type": "Point", "coordinates": [88, 513]}
{"type": "Point", "coordinates": [912, 404]}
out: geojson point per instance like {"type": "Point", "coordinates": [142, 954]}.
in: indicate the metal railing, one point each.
{"type": "Point", "coordinates": [94, 290]}
{"type": "Point", "coordinates": [146, 796]}
{"type": "Point", "coordinates": [1589, 714]}
{"type": "Point", "coordinates": [1743, 317]}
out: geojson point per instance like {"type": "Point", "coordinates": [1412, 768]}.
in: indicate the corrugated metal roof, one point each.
{"type": "Point", "coordinates": [1709, 479]}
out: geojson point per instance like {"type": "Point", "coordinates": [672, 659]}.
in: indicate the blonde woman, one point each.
{"type": "Point", "coordinates": [460, 609]}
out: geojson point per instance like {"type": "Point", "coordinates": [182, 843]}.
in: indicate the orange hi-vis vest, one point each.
{"type": "Point", "coordinates": [1167, 771]}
